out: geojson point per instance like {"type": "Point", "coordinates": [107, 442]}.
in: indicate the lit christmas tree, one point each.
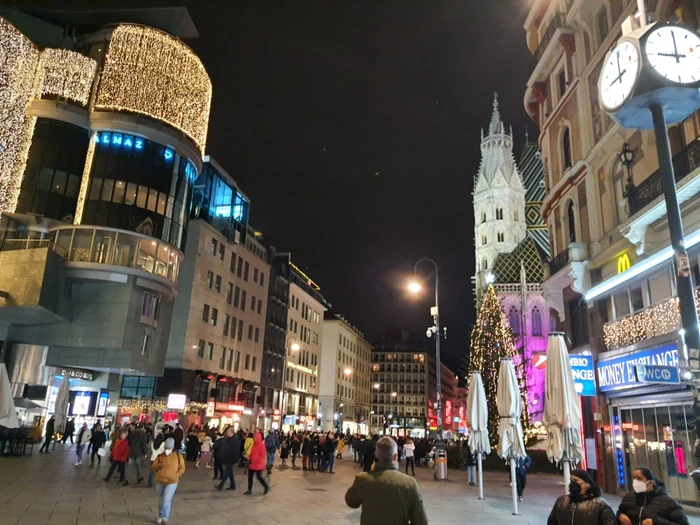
{"type": "Point", "coordinates": [492, 339]}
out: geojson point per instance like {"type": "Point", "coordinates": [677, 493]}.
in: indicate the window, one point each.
{"type": "Point", "coordinates": [237, 362]}
{"type": "Point", "coordinates": [253, 302]}
{"type": "Point", "coordinates": [636, 299]}
{"type": "Point", "coordinates": [257, 334]}
{"type": "Point", "coordinates": [255, 275]}
{"type": "Point", "coordinates": [240, 329]}
{"type": "Point", "coordinates": [501, 237]}
{"type": "Point", "coordinates": [239, 270]}
{"type": "Point", "coordinates": [259, 306]}
{"type": "Point", "coordinates": [150, 308]}
{"type": "Point", "coordinates": [205, 313]}
{"type": "Point", "coordinates": [233, 327]}
{"type": "Point", "coordinates": [237, 297]}
{"type": "Point", "coordinates": [144, 346]}
{"type": "Point", "coordinates": [137, 386]}
{"type": "Point", "coordinates": [244, 298]}
{"type": "Point", "coordinates": [247, 362]}
{"type": "Point", "coordinates": [602, 20]}
{"type": "Point", "coordinates": [561, 80]}
{"type": "Point", "coordinates": [484, 264]}
{"type": "Point", "coordinates": [217, 286]}
{"type": "Point", "coordinates": [222, 361]}
{"type": "Point", "coordinates": [536, 317]}
{"type": "Point", "coordinates": [222, 254]}
{"type": "Point", "coordinates": [229, 293]}
{"type": "Point", "coordinates": [566, 148]}
{"type": "Point", "coordinates": [227, 320]}
{"type": "Point", "coordinates": [210, 279]}
{"type": "Point", "coordinates": [246, 271]}
{"type": "Point", "coordinates": [255, 363]}
{"type": "Point", "coordinates": [483, 239]}
{"type": "Point", "coordinates": [262, 279]}
{"type": "Point", "coordinates": [571, 221]}
{"type": "Point", "coordinates": [233, 263]}
{"type": "Point", "coordinates": [499, 214]}
{"type": "Point", "coordinates": [514, 319]}
{"type": "Point", "coordinates": [515, 216]}
{"type": "Point", "coordinates": [211, 351]}
{"type": "Point", "coordinates": [212, 247]}
{"type": "Point", "coordinates": [200, 348]}
{"type": "Point", "coordinates": [483, 217]}
{"type": "Point", "coordinates": [214, 316]}
{"type": "Point", "coordinates": [250, 332]}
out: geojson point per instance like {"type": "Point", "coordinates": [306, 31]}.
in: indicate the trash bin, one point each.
{"type": "Point", "coordinates": [441, 465]}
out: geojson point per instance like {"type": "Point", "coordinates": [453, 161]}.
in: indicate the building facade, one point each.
{"type": "Point", "coordinates": [611, 281]}
{"type": "Point", "coordinates": [345, 377]}
{"type": "Point", "coordinates": [512, 245]}
{"type": "Point", "coordinates": [97, 172]}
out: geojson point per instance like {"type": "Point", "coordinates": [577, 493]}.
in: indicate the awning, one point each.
{"type": "Point", "coordinates": [25, 404]}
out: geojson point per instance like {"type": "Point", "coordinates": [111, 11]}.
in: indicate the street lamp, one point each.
{"type": "Point", "coordinates": [626, 158]}
{"type": "Point", "coordinates": [290, 346]}
{"type": "Point", "coordinates": [414, 287]}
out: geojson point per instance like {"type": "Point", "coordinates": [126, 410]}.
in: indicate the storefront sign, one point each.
{"type": "Point", "coordinates": [102, 404]}
{"type": "Point", "coordinates": [85, 375]}
{"type": "Point", "coordinates": [658, 374]}
{"type": "Point", "coordinates": [177, 401]}
{"type": "Point", "coordinates": [81, 403]}
{"type": "Point", "coordinates": [227, 407]}
{"type": "Point", "coordinates": [584, 374]}
{"type": "Point", "coordinates": [290, 420]}
{"type": "Point", "coordinates": [620, 372]}
{"type": "Point", "coordinates": [623, 263]}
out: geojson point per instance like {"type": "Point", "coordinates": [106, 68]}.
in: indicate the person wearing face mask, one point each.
{"type": "Point", "coordinates": [168, 468]}
{"type": "Point", "coordinates": [650, 503]}
{"type": "Point", "coordinates": [583, 505]}
{"type": "Point", "coordinates": [387, 496]}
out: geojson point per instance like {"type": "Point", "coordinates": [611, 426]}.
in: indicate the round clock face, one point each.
{"type": "Point", "coordinates": [619, 75]}
{"type": "Point", "coordinates": [674, 53]}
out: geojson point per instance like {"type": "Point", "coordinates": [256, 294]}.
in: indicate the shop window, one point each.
{"type": "Point", "coordinates": [636, 299]}
{"type": "Point", "coordinates": [137, 387]}
{"type": "Point", "coordinates": [200, 391]}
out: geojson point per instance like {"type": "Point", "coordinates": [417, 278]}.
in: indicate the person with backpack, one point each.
{"type": "Point", "coordinates": [271, 446]}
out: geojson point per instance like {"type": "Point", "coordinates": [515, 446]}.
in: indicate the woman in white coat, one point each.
{"type": "Point", "coordinates": [84, 436]}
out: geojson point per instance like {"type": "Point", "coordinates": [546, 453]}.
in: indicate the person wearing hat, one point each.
{"type": "Point", "coordinates": [650, 503]}
{"type": "Point", "coordinates": [583, 505]}
{"type": "Point", "coordinates": [168, 468]}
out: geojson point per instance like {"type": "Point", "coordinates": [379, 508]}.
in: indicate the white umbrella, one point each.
{"type": "Point", "coordinates": [510, 430]}
{"type": "Point", "coordinates": [8, 413]}
{"type": "Point", "coordinates": [562, 411]}
{"type": "Point", "coordinates": [478, 414]}
{"type": "Point", "coordinates": [61, 406]}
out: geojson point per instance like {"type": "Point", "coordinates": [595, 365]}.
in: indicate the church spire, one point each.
{"type": "Point", "coordinates": [495, 126]}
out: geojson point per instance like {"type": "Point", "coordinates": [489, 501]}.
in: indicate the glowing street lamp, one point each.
{"type": "Point", "coordinates": [414, 287]}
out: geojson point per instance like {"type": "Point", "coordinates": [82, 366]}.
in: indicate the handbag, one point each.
{"type": "Point", "coordinates": [101, 452]}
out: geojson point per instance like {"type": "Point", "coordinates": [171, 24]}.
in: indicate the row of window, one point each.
{"type": "Point", "coordinates": [500, 237]}
{"type": "Point", "coordinates": [401, 411]}
{"type": "Point", "coordinates": [535, 320]}
{"type": "Point", "coordinates": [238, 298]}
{"type": "Point", "coordinates": [344, 391]}
{"type": "Point", "coordinates": [396, 367]}
{"type": "Point", "coordinates": [307, 313]}
{"type": "Point", "coordinates": [403, 357]}
{"type": "Point", "coordinates": [408, 400]}
{"type": "Point", "coordinates": [499, 215]}
{"type": "Point", "coordinates": [229, 359]}
{"type": "Point", "coordinates": [306, 335]}
{"type": "Point", "coordinates": [303, 381]}
{"type": "Point", "coordinates": [239, 265]}
{"type": "Point", "coordinates": [305, 358]}
{"type": "Point", "coordinates": [235, 326]}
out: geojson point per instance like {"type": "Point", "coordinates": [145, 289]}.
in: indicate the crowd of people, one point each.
{"type": "Point", "coordinates": [386, 495]}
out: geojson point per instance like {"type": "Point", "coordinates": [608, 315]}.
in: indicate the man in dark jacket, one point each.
{"type": "Point", "coordinates": [582, 505]}
{"type": "Point", "coordinates": [229, 453]}
{"type": "Point", "coordinates": [50, 428]}
{"type": "Point", "coordinates": [521, 467]}
{"type": "Point", "coordinates": [97, 441]}
{"type": "Point", "coordinates": [68, 433]}
{"type": "Point", "coordinates": [368, 453]}
{"type": "Point", "coordinates": [650, 503]}
{"type": "Point", "coordinates": [271, 446]}
{"type": "Point", "coordinates": [178, 436]}
{"type": "Point", "coordinates": [138, 449]}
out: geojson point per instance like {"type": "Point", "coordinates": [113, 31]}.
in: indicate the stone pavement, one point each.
{"type": "Point", "coordinates": [44, 489]}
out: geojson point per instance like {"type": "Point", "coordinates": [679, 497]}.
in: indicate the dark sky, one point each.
{"type": "Point", "coordinates": [353, 126]}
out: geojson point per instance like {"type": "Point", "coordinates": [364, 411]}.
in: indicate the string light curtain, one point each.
{"type": "Point", "coordinates": [66, 74]}
{"type": "Point", "coordinates": [149, 72]}
{"type": "Point", "coordinates": [492, 339]}
{"type": "Point", "coordinates": [18, 64]}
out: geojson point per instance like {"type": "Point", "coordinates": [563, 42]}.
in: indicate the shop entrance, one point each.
{"type": "Point", "coordinates": [660, 437]}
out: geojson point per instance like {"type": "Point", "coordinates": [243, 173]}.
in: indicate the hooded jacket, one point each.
{"type": "Point", "coordinates": [228, 450]}
{"type": "Point", "coordinates": [138, 443]}
{"type": "Point", "coordinates": [587, 510]}
{"type": "Point", "coordinates": [168, 467]}
{"type": "Point", "coordinates": [120, 451]}
{"type": "Point", "coordinates": [656, 505]}
{"type": "Point", "coordinates": [258, 455]}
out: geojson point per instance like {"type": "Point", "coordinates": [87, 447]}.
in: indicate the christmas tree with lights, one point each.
{"type": "Point", "coordinates": [491, 340]}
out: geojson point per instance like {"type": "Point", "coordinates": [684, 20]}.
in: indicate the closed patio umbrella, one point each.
{"type": "Point", "coordinates": [478, 414]}
{"type": "Point", "coordinates": [61, 407]}
{"type": "Point", "coordinates": [510, 430]}
{"type": "Point", "coordinates": [8, 413]}
{"type": "Point", "coordinates": [562, 411]}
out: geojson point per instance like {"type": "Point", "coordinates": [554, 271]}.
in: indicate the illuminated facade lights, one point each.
{"type": "Point", "coordinates": [153, 74]}
{"type": "Point", "coordinates": [85, 182]}
{"type": "Point", "coordinates": [18, 63]}
{"type": "Point", "coordinates": [66, 74]}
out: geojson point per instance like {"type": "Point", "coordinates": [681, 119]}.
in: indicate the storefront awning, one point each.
{"type": "Point", "coordinates": [24, 404]}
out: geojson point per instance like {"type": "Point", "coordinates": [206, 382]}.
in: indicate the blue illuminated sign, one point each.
{"type": "Point", "coordinates": [138, 143]}
{"type": "Point", "coordinates": [168, 154]}
{"type": "Point", "coordinates": [105, 138]}
{"type": "Point", "coordinates": [620, 372]}
{"type": "Point", "coordinates": [127, 141]}
{"type": "Point", "coordinates": [117, 139]}
{"type": "Point", "coordinates": [584, 374]}
{"type": "Point", "coordinates": [658, 374]}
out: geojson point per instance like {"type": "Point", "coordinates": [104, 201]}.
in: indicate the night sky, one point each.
{"type": "Point", "coordinates": [353, 127]}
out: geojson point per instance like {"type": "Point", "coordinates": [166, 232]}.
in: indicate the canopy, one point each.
{"type": "Point", "coordinates": [510, 430]}
{"type": "Point", "coordinates": [61, 406]}
{"type": "Point", "coordinates": [8, 413]}
{"type": "Point", "coordinates": [478, 416]}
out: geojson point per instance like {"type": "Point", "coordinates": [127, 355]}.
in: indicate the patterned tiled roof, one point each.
{"type": "Point", "coordinates": [506, 268]}
{"type": "Point", "coordinates": [530, 167]}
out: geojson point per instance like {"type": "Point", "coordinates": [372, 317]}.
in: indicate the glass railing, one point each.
{"type": "Point", "coordinates": [558, 262]}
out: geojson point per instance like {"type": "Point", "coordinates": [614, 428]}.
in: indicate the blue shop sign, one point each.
{"type": "Point", "coordinates": [618, 373]}
{"type": "Point", "coordinates": [658, 374]}
{"type": "Point", "coordinates": [584, 374]}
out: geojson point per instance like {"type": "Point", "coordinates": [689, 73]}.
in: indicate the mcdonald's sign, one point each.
{"type": "Point", "coordinates": [623, 263]}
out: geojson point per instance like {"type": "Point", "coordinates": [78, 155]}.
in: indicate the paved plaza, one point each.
{"type": "Point", "coordinates": [43, 489]}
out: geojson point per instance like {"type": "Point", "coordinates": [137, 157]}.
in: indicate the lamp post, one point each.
{"type": "Point", "coordinates": [294, 347]}
{"type": "Point", "coordinates": [626, 158]}
{"type": "Point", "coordinates": [414, 287]}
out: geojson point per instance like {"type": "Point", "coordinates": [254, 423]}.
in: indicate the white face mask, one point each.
{"type": "Point", "coordinates": [639, 486]}
{"type": "Point", "coordinates": [168, 451]}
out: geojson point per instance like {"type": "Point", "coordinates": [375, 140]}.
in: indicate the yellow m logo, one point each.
{"type": "Point", "coordinates": [623, 263]}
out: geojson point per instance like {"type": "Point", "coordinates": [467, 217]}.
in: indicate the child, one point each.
{"type": "Point", "coordinates": [205, 452]}
{"type": "Point", "coordinates": [119, 456]}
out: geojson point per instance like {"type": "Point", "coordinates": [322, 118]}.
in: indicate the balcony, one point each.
{"type": "Point", "coordinates": [567, 268]}
{"type": "Point", "coordinates": [559, 261]}
{"type": "Point", "coordinates": [558, 21]}
{"type": "Point", "coordinates": [557, 38]}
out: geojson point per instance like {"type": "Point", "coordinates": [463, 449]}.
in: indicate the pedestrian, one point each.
{"type": "Point", "coordinates": [218, 467]}
{"type": "Point", "coordinates": [192, 444]}
{"type": "Point", "coordinates": [205, 452]}
{"type": "Point", "coordinates": [271, 446]}
{"type": "Point", "coordinates": [119, 456]}
{"type": "Point", "coordinates": [341, 448]}
{"type": "Point", "coordinates": [157, 448]}
{"type": "Point", "coordinates": [296, 448]}
{"type": "Point", "coordinates": [138, 449]}
{"type": "Point", "coordinates": [178, 436]}
{"type": "Point", "coordinates": [98, 441]}
{"type": "Point", "coordinates": [583, 505]}
{"type": "Point", "coordinates": [258, 457]}
{"type": "Point", "coordinates": [387, 496]}
{"type": "Point", "coordinates": [649, 503]}
{"type": "Point", "coordinates": [368, 453]}
{"type": "Point", "coordinates": [330, 445]}
{"type": "Point", "coordinates": [84, 436]}
{"type": "Point", "coordinates": [50, 429]}
{"type": "Point", "coordinates": [69, 431]}
{"type": "Point", "coordinates": [247, 447]}
{"type": "Point", "coordinates": [228, 452]}
{"type": "Point", "coordinates": [470, 463]}
{"type": "Point", "coordinates": [409, 450]}
{"type": "Point", "coordinates": [284, 449]}
{"type": "Point", "coordinates": [306, 451]}
{"type": "Point", "coordinates": [521, 467]}
{"type": "Point", "coordinates": [168, 468]}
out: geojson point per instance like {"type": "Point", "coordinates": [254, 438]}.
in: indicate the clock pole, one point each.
{"type": "Point", "coordinates": [686, 296]}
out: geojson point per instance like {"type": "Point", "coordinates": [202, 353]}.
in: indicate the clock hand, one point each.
{"type": "Point", "coordinates": [675, 47]}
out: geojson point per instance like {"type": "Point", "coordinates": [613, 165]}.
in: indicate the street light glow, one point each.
{"type": "Point", "coordinates": [414, 287]}
{"type": "Point", "coordinates": [347, 371]}
{"type": "Point", "coordinates": [295, 347]}
{"type": "Point", "coordinates": [376, 386]}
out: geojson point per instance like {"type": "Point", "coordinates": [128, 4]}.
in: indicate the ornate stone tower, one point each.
{"type": "Point", "coordinates": [499, 198]}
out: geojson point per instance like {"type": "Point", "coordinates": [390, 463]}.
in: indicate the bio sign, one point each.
{"type": "Point", "coordinates": [618, 373]}
{"type": "Point", "coordinates": [584, 374]}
